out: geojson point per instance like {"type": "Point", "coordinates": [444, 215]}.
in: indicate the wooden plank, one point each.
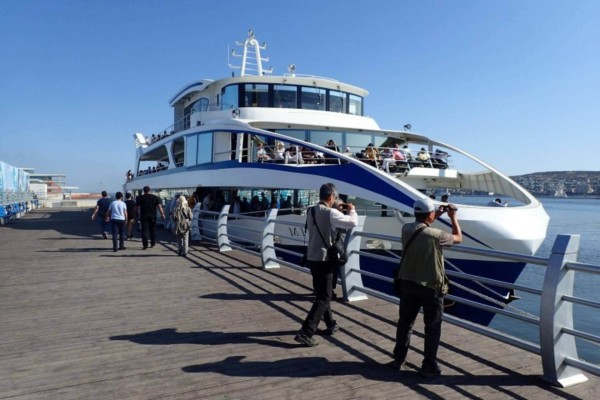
{"type": "Point", "coordinates": [79, 321]}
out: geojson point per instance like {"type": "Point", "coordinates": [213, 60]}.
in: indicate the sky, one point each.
{"type": "Point", "coordinates": [515, 83]}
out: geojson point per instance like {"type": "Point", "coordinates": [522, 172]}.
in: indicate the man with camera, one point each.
{"type": "Point", "coordinates": [322, 221]}
{"type": "Point", "coordinates": [423, 281]}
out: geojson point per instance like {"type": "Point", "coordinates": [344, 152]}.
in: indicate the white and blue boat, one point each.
{"type": "Point", "coordinates": [312, 130]}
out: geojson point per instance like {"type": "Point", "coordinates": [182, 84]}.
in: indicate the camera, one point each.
{"type": "Point", "coordinates": [448, 207]}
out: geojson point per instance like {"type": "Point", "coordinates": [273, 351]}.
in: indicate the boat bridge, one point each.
{"type": "Point", "coordinates": [79, 321]}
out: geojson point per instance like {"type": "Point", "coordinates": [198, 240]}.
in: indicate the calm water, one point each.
{"type": "Point", "coordinates": [567, 216]}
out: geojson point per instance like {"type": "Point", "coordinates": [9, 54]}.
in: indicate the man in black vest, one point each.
{"type": "Point", "coordinates": [322, 222]}
{"type": "Point", "coordinates": [147, 204]}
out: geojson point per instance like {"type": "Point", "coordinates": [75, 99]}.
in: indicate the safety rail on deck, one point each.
{"type": "Point", "coordinates": [560, 361]}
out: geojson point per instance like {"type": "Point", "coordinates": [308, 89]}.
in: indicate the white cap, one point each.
{"type": "Point", "coordinates": [424, 206]}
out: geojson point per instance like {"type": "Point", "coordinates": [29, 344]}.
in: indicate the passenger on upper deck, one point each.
{"type": "Point", "coordinates": [331, 146]}
{"type": "Point", "coordinates": [423, 155]}
{"type": "Point", "coordinates": [439, 159]}
{"type": "Point", "coordinates": [293, 156]}
{"type": "Point", "coordinates": [279, 152]}
{"type": "Point", "coordinates": [395, 155]}
{"type": "Point", "coordinates": [372, 155]}
{"type": "Point", "coordinates": [261, 154]}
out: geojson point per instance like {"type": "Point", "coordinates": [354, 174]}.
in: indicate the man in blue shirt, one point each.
{"type": "Point", "coordinates": [117, 215]}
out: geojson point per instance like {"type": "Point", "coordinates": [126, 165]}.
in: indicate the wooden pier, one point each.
{"type": "Point", "coordinates": [78, 321]}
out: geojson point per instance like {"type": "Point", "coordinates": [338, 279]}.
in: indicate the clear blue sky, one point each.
{"type": "Point", "coordinates": [517, 83]}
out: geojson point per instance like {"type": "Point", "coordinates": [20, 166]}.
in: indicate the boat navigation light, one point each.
{"type": "Point", "coordinates": [407, 127]}
{"type": "Point", "coordinates": [292, 69]}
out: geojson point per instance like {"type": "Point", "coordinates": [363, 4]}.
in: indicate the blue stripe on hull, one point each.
{"type": "Point", "coordinates": [502, 271]}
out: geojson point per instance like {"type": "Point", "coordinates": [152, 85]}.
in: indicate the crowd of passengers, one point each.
{"type": "Point", "coordinates": [160, 166]}
{"type": "Point", "coordinates": [256, 206]}
{"type": "Point", "coordinates": [386, 158]}
{"type": "Point", "coordinates": [156, 137]}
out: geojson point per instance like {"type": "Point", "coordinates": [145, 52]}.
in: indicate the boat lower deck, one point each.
{"type": "Point", "coordinates": [79, 321]}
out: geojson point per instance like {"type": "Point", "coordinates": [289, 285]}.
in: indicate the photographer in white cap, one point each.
{"type": "Point", "coordinates": [423, 281]}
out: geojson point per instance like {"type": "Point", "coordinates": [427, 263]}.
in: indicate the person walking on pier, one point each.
{"type": "Point", "coordinates": [100, 210]}
{"type": "Point", "coordinates": [147, 204]}
{"type": "Point", "coordinates": [182, 219]}
{"type": "Point", "coordinates": [117, 215]}
{"type": "Point", "coordinates": [322, 222]}
{"type": "Point", "coordinates": [423, 281]}
{"type": "Point", "coordinates": [131, 215]}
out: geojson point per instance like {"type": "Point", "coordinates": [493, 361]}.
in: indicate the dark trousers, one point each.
{"type": "Point", "coordinates": [118, 227]}
{"type": "Point", "coordinates": [415, 296]}
{"type": "Point", "coordinates": [322, 274]}
{"type": "Point", "coordinates": [104, 225]}
{"type": "Point", "coordinates": [148, 232]}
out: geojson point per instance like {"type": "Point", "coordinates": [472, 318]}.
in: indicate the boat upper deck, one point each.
{"type": "Point", "coordinates": [79, 321]}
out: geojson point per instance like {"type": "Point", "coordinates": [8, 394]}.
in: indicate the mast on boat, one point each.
{"type": "Point", "coordinates": [251, 57]}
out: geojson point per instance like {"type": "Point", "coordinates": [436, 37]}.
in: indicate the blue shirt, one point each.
{"type": "Point", "coordinates": [117, 210]}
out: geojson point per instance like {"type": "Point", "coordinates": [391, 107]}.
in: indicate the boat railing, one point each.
{"type": "Point", "coordinates": [557, 343]}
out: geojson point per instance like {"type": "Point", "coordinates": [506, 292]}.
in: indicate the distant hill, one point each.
{"type": "Point", "coordinates": [561, 183]}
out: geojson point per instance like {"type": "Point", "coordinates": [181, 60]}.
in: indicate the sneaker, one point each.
{"type": "Point", "coordinates": [304, 339]}
{"type": "Point", "coordinates": [427, 371]}
{"type": "Point", "coordinates": [397, 365]}
{"type": "Point", "coordinates": [331, 330]}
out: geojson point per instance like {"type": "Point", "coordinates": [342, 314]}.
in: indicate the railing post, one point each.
{"type": "Point", "coordinates": [267, 244]}
{"type": "Point", "coordinates": [350, 275]}
{"type": "Point", "coordinates": [222, 236]}
{"type": "Point", "coordinates": [556, 314]}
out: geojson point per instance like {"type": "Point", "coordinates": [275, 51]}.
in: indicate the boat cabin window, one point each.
{"type": "Point", "coordinates": [355, 105]}
{"type": "Point", "coordinates": [200, 105]}
{"type": "Point", "coordinates": [178, 152]}
{"type": "Point", "coordinates": [229, 97]}
{"type": "Point", "coordinates": [198, 149]}
{"type": "Point", "coordinates": [288, 96]}
{"type": "Point", "coordinates": [285, 96]}
{"type": "Point", "coordinates": [337, 101]}
{"type": "Point", "coordinates": [256, 95]}
{"type": "Point", "coordinates": [323, 137]}
{"type": "Point", "coordinates": [313, 98]}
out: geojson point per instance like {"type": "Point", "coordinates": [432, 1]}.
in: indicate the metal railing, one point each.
{"type": "Point", "coordinates": [557, 346]}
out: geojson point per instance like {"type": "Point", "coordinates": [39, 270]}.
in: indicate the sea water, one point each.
{"type": "Point", "coordinates": [567, 216]}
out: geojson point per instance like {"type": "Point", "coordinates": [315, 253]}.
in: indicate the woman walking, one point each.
{"type": "Point", "coordinates": [182, 223]}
